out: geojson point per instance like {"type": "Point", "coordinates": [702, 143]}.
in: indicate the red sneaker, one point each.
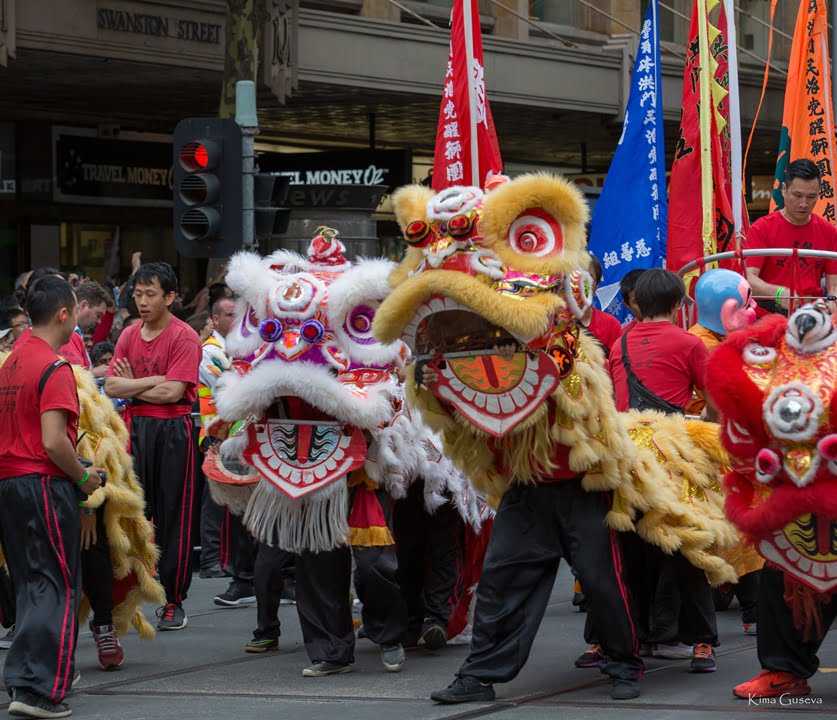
{"type": "Point", "coordinates": [111, 654]}
{"type": "Point", "coordinates": [769, 683]}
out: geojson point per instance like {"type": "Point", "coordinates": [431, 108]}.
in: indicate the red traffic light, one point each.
{"type": "Point", "coordinates": [199, 155]}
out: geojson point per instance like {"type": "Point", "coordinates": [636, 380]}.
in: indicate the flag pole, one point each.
{"type": "Point", "coordinates": [736, 169]}
{"type": "Point", "coordinates": [706, 110]}
{"type": "Point", "coordinates": [472, 90]}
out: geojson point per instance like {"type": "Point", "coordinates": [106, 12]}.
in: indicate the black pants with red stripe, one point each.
{"type": "Point", "coordinates": [164, 459]}
{"type": "Point", "coordinates": [40, 533]}
{"type": "Point", "coordinates": [536, 526]}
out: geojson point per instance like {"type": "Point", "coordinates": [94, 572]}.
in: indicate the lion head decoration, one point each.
{"type": "Point", "coordinates": [318, 399]}
{"type": "Point", "coordinates": [508, 266]}
{"type": "Point", "coordinates": [775, 386]}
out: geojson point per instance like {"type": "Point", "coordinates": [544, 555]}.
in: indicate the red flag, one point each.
{"type": "Point", "coordinates": [466, 142]}
{"type": "Point", "coordinates": [685, 220]}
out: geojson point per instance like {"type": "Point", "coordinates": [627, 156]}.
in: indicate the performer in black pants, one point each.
{"type": "Point", "coordinates": [97, 583]}
{"type": "Point", "coordinates": [535, 527]}
{"type": "Point", "coordinates": [429, 552]}
{"type": "Point", "coordinates": [41, 486]}
{"type": "Point", "coordinates": [324, 605]}
{"type": "Point", "coordinates": [273, 568]}
{"type": "Point", "coordinates": [155, 365]}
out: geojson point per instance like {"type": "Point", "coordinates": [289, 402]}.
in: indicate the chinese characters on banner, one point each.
{"type": "Point", "coordinates": [690, 236]}
{"type": "Point", "coordinates": [629, 218]}
{"type": "Point", "coordinates": [466, 142]}
{"type": "Point", "coordinates": [808, 122]}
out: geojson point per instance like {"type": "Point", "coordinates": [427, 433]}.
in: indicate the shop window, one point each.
{"type": "Point", "coordinates": [560, 12]}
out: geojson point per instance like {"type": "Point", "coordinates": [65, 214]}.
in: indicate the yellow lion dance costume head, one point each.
{"type": "Point", "coordinates": [509, 266]}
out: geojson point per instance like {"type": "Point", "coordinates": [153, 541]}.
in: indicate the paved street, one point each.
{"type": "Point", "coordinates": [201, 673]}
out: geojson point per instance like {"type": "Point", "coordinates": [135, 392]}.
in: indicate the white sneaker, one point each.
{"type": "Point", "coordinates": [750, 629]}
{"type": "Point", "coordinates": [678, 651]}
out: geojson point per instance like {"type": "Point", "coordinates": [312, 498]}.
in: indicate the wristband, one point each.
{"type": "Point", "coordinates": [85, 476]}
{"type": "Point", "coordinates": [779, 292]}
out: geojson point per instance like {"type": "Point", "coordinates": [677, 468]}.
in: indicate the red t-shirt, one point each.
{"type": "Point", "coordinates": [74, 352]}
{"type": "Point", "coordinates": [667, 360]}
{"type": "Point", "coordinates": [102, 331]}
{"type": "Point", "coordinates": [175, 353]}
{"type": "Point", "coordinates": [605, 328]}
{"type": "Point", "coordinates": [774, 231]}
{"type": "Point", "coordinates": [21, 446]}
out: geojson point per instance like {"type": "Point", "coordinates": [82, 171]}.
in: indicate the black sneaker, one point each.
{"type": "Point", "coordinates": [172, 617]}
{"type": "Point", "coordinates": [238, 594]}
{"type": "Point", "coordinates": [28, 704]}
{"type": "Point", "coordinates": [433, 635]}
{"type": "Point", "coordinates": [624, 689]}
{"type": "Point", "coordinates": [261, 645]}
{"type": "Point", "coordinates": [703, 659]}
{"type": "Point", "coordinates": [592, 657]}
{"type": "Point", "coordinates": [322, 669]}
{"type": "Point", "coordinates": [464, 689]}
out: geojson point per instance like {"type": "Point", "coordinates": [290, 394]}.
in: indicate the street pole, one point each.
{"type": "Point", "coordinates": [245, 116]}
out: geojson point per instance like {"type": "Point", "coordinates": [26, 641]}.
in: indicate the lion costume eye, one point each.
{"type": "Point", "coordinates": [536, 233]}
{"type": "Point", "coordinates": [358, 324]}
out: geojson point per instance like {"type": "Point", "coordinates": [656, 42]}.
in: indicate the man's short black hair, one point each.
{"type": "Point", "coordinates": [628, 281]}
{"type": "Point", "coordinates": [658, 292]}
{"type": "Point", "coordinates": [100, 349]}
{"type": "Point", "coordinates": [595, 269]}
{"type": "Point", "coordinates": [39, 274]}
{"type": "Point", "coordinates": [46, 297]}
{"type": "Point", "coordinates": [802, 169]}
{"type": "Point", "coordinates": [216, 306]}
{"type": "Point", "coordinates": [160, 271]}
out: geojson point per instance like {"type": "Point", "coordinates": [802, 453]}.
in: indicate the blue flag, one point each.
{"type": "Point", "coordinates": [628, 229]}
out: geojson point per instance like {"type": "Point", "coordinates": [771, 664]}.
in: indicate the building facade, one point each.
{"type": "Point", "coordinates": [90, 91]}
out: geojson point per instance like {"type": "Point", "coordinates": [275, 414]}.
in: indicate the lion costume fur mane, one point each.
{"type": "Point", "coordinates": [664, 471]}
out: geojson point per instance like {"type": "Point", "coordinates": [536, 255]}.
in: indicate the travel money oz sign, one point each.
{"type": "Point", "coordinates": [106, 171]}
{"type": "Point", "coordinates": [392, 168]}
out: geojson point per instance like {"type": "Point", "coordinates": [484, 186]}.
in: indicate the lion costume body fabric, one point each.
{"type": "Point", "coordinates": [775, 384]}
{"type": "Point", "coordinates": [322, 405]}
{"type": "Point", "coordinates": [508, 266]}
{"type": "Point", "coordinates": [103, 440]}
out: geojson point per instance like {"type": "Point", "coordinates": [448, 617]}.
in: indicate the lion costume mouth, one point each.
{"type": "Point", "coordinates": [807, 549]}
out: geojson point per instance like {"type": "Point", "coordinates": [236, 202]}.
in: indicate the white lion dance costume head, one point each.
{"type": "Point", "coordinates": [320, 399]}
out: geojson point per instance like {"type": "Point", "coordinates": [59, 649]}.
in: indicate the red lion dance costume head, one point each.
{"type": "Point", "coordinates": [775, 386]}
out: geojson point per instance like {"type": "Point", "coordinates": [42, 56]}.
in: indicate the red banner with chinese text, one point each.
{"type": "Point", "coordinates": [466, 142]}
{"type": "Point", "coordinates": [808, 120]}
{"type": "Point", "coordinates": [685, 221]}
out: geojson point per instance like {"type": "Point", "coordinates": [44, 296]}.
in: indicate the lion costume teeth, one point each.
{"type": "Point", "coordinates": [774, 383]}
{"type": "Point", "coordinates": [510, 266]}
{"type": "Point", "coordinates": [320, 401]}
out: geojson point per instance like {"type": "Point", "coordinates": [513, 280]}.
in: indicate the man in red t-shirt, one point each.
{"type": "Point", "coordinates": [155, 365]}
{"type": "Point", "coordinates": [794, 226]}
{"type": "Point", "coordinates": [605, 328]}
{"type": "Point", "coordinates": [41, 485]}
{"type": "Point", "coordinates": [663, 365]}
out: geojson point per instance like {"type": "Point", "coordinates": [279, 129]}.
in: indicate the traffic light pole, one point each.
{"type": "Point", "coordinates": [245, 116]}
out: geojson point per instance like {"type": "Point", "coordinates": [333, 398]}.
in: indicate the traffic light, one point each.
{"type": "Point", "coordinates": [207, 187]}
{"type": "Point", "coordinates": [270, 195]}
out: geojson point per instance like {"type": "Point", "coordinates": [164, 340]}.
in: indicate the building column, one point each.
{"type": "Point", "coordinates": [628, 11]}
{"type": "Point", "coordinates": [507, 25]}
{"type": "Point", "coordinates": [382, 9]}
